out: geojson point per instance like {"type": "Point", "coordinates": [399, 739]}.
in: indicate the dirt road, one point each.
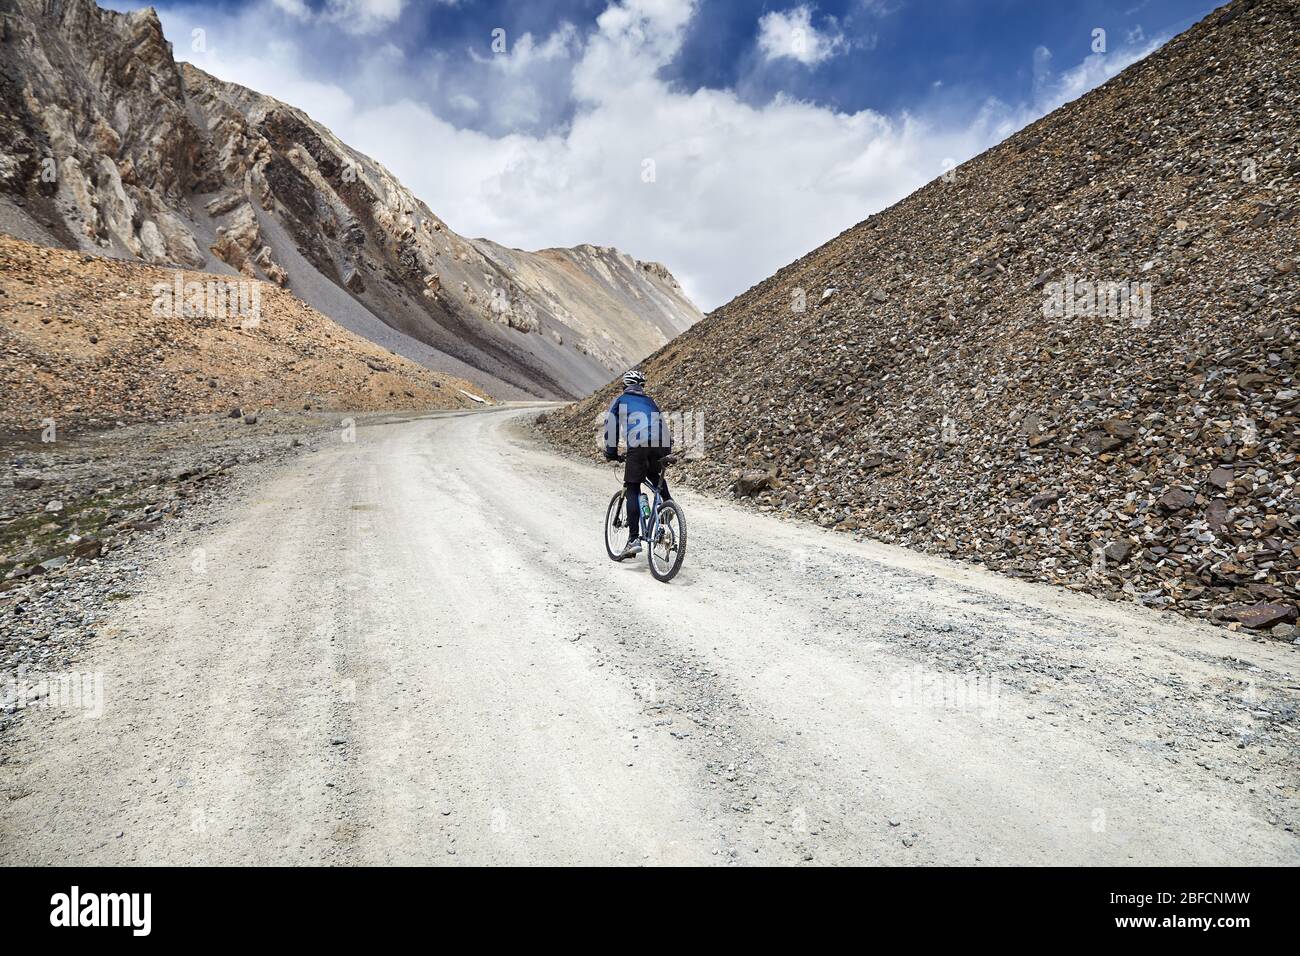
{"type": "Point", "coordinates": [410, 648]}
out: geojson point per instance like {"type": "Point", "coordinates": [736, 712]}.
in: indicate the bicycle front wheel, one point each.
{"type": "Point", "coordinates": [615, 528]}
{"type": "Point", "coordinates": [666, 551]}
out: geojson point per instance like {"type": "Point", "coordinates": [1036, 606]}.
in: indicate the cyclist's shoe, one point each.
{"type": "Point", "coordinates": [632, 547]}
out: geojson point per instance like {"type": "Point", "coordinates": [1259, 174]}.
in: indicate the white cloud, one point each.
{"type": "Point", "coordinates": [525, 87]}
{"type": "Point", "coordinates": [1042, 66]}
{"type": "Point", "coordinates": [739, 189]}
{"type": "Point", "coordinates": [295, 8]}
{"type": "Point", "coordinates": [791, 35]}
{"type": "Point", "coordinates": [354, 16]}
{"type": "Point", "coordinates": [525, 53]}
{"type": "Point", "coordinates": [363, 16]}
{"type": "Point", "coordinates": [465, 103]}
{"type": "Point", "coordinates": [633, 39]}
{"type": "Point", "coordinates": [1053, 90]}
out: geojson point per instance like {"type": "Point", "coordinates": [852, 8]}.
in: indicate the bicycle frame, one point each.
{"type": "Point", "coordinates": [648, 532]}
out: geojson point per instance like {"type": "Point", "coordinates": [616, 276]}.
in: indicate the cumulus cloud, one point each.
{"type": "Point", "coordinates": [722, 191]}
{"type": "Point", "coordinates": [1091, 72]}
{"type": "Point", "coordinates": [521, 84]}
{"type": "Point", "coordinates": [354, 16]}
{"type": "Point", "coordinates": [295, 8]}
{"type": "Point", "coordinates": [790, 34]}
{"type": "Point", "coordinates": [363, 16]}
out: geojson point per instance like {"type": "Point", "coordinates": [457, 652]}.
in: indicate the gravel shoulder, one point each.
{"type": "Point", "coordinates": [410, 648]}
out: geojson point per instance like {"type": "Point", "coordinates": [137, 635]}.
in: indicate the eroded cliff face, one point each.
{"type": "Point", "coordinates": [96, 138]}
{"type": "Point", "coordinates": [112, 147]}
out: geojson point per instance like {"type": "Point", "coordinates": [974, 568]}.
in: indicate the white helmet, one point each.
{"type": "Point", "coordinates": [633, 377]}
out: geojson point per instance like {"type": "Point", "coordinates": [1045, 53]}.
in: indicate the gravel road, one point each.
{"type": "Point", "coordinates": [411, 648]}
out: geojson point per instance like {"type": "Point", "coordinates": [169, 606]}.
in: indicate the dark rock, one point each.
{"type": "Point", "coordinates": [88, 548]}
{"type": "Point", "coordinates": [1264, 616]}
{"type": "Point", "coordinates": [751, 483]}
{"type": "Point", "coordinates": [1119, 551]}
{"type": "Point", "coordinates": [1118, 428]}
{"type": "Point", "coordinates": [1220, 478]}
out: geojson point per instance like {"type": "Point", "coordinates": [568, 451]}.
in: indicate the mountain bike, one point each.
{"type": "Point", "coordinates": [663, 528]}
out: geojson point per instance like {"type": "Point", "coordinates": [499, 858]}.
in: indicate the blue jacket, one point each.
{"type": "Point", "coordinates": [636, 419]}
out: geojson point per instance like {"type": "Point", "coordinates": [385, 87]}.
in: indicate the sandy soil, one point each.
{"type": "Point", "coordinates": [89, 343]}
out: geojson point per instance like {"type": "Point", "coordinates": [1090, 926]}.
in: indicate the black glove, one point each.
{"type": "Point", "coordinates": [611, 454]}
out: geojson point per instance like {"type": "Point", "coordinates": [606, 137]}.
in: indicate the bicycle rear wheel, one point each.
{"type": "Point", "coordinates": [615, 528]}
{"type": "Point", "coordinates": [666, 551]}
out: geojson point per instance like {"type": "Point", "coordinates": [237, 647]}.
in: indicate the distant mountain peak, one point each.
{"type": "Point", "coordinates": [112, 147]}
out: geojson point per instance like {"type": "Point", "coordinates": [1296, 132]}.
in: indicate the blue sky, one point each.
{"type": "Point", "coordinates": [905, 54]}
{"type": "Point", "coordinates": [766, 127]}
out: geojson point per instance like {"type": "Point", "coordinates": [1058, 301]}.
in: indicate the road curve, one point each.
{"type": "Point", "coordinates": [411, 648]}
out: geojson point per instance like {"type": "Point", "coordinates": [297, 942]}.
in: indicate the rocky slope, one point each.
{"type": "Point", "coordinates": [930, 393]}
{"type": "Point", "coordinates": [88, 342]}
{"type": "Point", "coordinates": [108, 145]}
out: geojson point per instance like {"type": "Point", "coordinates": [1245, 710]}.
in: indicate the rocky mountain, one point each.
{"type": "Point", "coordinates": [109, 146]}
{"type": "Point", "coordinates": [1073, 359]}
{"type": "Point", "coordinates": [91, 342]}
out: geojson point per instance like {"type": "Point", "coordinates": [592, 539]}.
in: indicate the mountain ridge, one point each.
{"type": "Point", "coordinates": [118, 148]}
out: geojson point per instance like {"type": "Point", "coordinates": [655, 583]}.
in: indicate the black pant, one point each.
{"type": "Point", "coordinates": [643, 464]}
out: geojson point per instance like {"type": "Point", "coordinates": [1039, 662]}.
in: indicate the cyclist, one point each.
{"type": "Point", "coordinates": [636, 419]}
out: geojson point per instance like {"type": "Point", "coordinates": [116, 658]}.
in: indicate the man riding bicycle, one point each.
{"type": "Point", "coordinates": [636, 419]}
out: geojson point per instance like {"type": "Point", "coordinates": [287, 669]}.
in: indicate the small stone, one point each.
{"type": "Point", "coordinates": [1220, 478]}
{"type": "Point", "coordinates": [751, 483]}
{"type": "Point", "coordinates": [1119, 551]}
